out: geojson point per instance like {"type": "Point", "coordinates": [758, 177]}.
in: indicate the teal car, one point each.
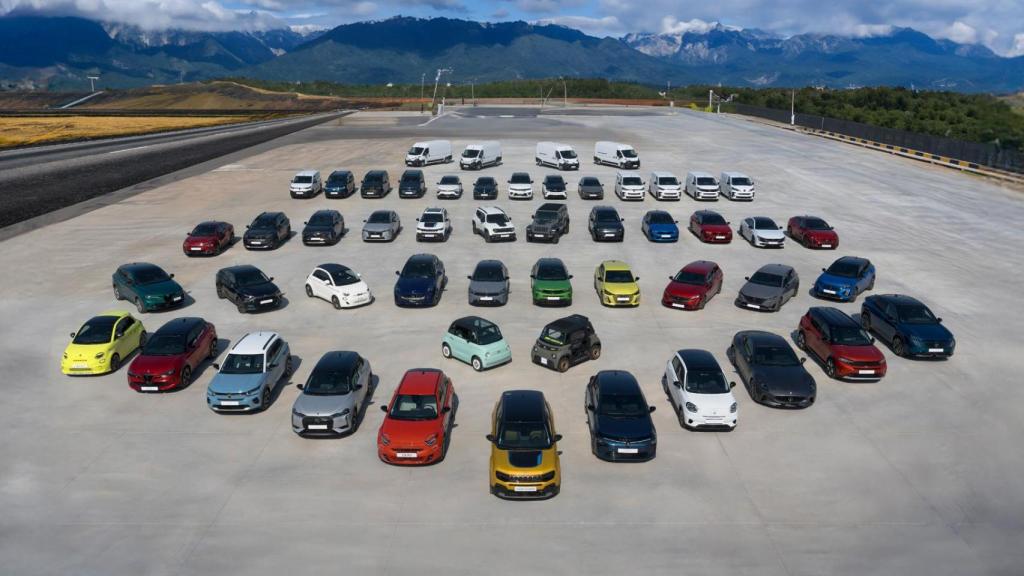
{"type": "Point", "coordinates": [147, 286]}
{"type": "Point", "coordinates": [476, 341]}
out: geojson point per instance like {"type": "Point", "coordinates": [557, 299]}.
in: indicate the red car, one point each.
{"type": "Point", "coordinates": [710, 227]}
{"type": "Point", "coordinates": [840, 344]}
{"type": "Point", "coordinates": [172, 355]}
{"type": "Point", "coordinates": [812, 232]}
{"type": "Point", "coordinates": [693, 286]}
{"type": "Point", "coordinates": [418, 421]}
{"type": "Point", "coordinates": [208, 239]}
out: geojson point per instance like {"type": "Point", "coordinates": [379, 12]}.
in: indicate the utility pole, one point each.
{"type": "Point", "coordinates": [792, 108]}
{"type": "Point", "coordinates": [423, 78]}
{"type": "Point", "coordinates": [711, 96]}
{"type": "Point", "coordinates": [472, 90]}
{"type": "Point", "coordinates": [436, 80]}
{"type": "Point", "coordinates": [565, 93]}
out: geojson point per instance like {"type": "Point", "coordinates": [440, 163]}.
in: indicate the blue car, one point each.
{"type": "Point", "coordinates": [907, 325]}
{"type": "Point", "coordinates": [845, 279]}
{"type": "Point", "coordinates": [659, 226]}
{"type": "Point", "coordinates": [420, 282]}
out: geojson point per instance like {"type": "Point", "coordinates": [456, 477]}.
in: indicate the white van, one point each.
{"type": "Point", "coordinates": [665, 186]}
{"type": "Point", "coordinates": [481, 155]}
{"type": "Point", "coordinates": [556, 155]}
{"type": "Point", "coordinates": [737, 186]}
{"type": "Point", "coordinates": [629, 186]}
{"type": "Point", "coordinates": [616, 154]}
{"type": "Point", "coordinates": [429, 152]}
{"type": "Point", "coordinates": [701, 186]}
{"type": "Point", "coordinates": [306, 184]}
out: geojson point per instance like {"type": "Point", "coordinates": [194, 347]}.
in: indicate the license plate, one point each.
{"type": "Point", "coordinates": [538, 235]}
{"type": "Point", "coordinates": [267, 301]}
{"type": "Point", "coordinates": [678, 305]}
{"type": "Point", "coordinates": [229, 402]}
{"type": "Point", "coordinates": [754, 306]}
{"type": "Point", "coordinates": [405, 454]}
{"type": "Point", "coordinates": [486, 298]}
{"type": "Point", "coordinates": [623, 298]}
{"type": "Point", "coordinates": [544, 361]}
{"type": "Point", "coordinates": [195, 248]}
{"type": "Point", "coordinates": [826, 245]}
{"type": "Point", "coordinates": [524, 488]}
{"type": "Point", "coordinates": [719, 237]}
{"type": "Point", "coordinates": [609, 233]}
{"type": "Point", "coordinates": [148, 388]}
{"type": "Point", "coordinates": [80, 365]}
{"type": "Point", "coordinates": [827, 291]}
{"type": "Point", "coordinates": [176, 299]}
{"type": "Point", "coordinates": [628, 450]}
{"type": "Point", "coordinates": [256, 241]}
{"type": "Point", "coordinates": [317, 427]}
{"type": "Point", "coordinates": [865, 371]}
{"type": "Point", "coordinates": [553, 298]}
{"type": "Point", "coordinates": [936, 350]}
{"type": "Point", "coordinates": [429, 235]}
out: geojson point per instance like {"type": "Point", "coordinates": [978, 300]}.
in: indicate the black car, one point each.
{"type": "Point", "coordinates": [554, 185]}
{"type": "Point", "coordinates": [590, 188]}
{"type": "Point", "coordinates": [485, 188]}
{"type": "Point", "coordinates": [412, 185]}
{"type": "Point", "coordinates": [340, 184]}
{"type": "Point", "coordinates": [268, 231]}
{"type": "Point", "coordinates": [376, 184]}
{"type": "Point", "coordinates": [248, 288]}
{"type": "Point", "coordinates": [566, 342]}
{"type": "Point", "coordinates": [910, 327]}
{"type": "Point", "coordinates": [324, 227]}
{"type": "Point", "coordinates": [605, 225]}
{"type": "Point", "coordinates": [420, 282]}
{"type": "Point", "coordinates": [619, 417]}
{"type": "Point", "coordinates": [550, 223]}
{"type": "Point", "coordinates": [771, 371]}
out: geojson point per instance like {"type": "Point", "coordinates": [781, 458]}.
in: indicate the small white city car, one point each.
{"type": "Point", "coordinates": [699, 392]}
{"type": "Point", "coordinates": [338, 285]}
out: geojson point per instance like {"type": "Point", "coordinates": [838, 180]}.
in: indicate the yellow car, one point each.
{"type": "Point", "coordinates": [616, 285]}
{"type": "Point", "coordinates": [524, 447]}
{"type": "Point", "coordinates": [102, 344]}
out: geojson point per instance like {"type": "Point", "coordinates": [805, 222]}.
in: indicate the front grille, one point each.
{"type": "Point", "coordinates": [753, 300]}
{"type": "Point", "coordinates": [863, 363]}
{"type": "Point", "coordinates": [317, 420]}
{"type": "Point", "coordinates": [525, 478]}
{"type": "Point", "coordinates": [503, 230]}
{"type": "Point", "coordinates": [790, 400]}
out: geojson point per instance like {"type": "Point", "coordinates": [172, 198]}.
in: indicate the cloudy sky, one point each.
{"type": "Point", "coordinates": [998, 24]}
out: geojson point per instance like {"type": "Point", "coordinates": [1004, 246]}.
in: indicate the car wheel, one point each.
{"type": "Point", "coordinates": [595, 352]}
{"type": "Point", "coordinates": [555, 239]}
{"type": "Point", "coordinates": [309, 290]}
{"type": "Point", "coordinates": [142, 339]}
{"type": "Point", "coordinates": [117, 293]}
{"type": "Point", "coordinates": [186, 377]}
{"type": "Point", "coordinates": [487, 236]}
{"type": "Point", "coordinates": [563, 364]}
{"type": "Point", "coordinates": [477, 364]}
{"type": "Point", "coordinates": [830, 368]}
{"type": "Point", "coordinates": [801, 340]}
{"type": "Point", "coordinates": [336, 302]}
{"type": "Point", "coordinates": [265, 399]}
{"type": "Point", "coordinates": [220, 292]}
{"type": "Point", "coordinates": [701, 303]}
{"type": "Point", "coordinates": [730, 353]}
{"type": "Point", "coordinates": [139, 305]}
{"type": "Point", "coordinates": [241, 308]}
{"type": "Point", "coordinates": [115, 363]}
{"type": "Point", "coordinates": [898, 347]}
{"type": "Point", "coordinates": [446, 350]}
{"type": "Point", "coordinates": [871, 286]}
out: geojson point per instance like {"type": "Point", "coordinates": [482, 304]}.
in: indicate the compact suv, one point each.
{"type": "Point", "coordinates": [910, 327]}
{"type": "Point", "coordinates": [566, 342]}
{"type": "Point", "coordinates": [413, 184]}
{"type": "Point", "coordinates": [619, 418]}
{"type": "Point", "coordinates": [172, 355]}
{"type": "Point", "coordinates": [665, 186]}
{"type": "Point", "coordinates": [554, 187]}
{"type": "Point", "coordinates": [845, 279]}
{"type": "Point", "coordinates": [100, 345]}
{"type": "Point", "coordinates": [382, 226]}
{"type": "Point", "coordinates": [248, 288]}
{"type": "Point", "coordinates": [590, 188]}
{"type": "Point", "coordinates": [524, 447]}
{"type": "Point", "coordinates": [248, 375]}
{"type": "Point", "coordinates": [737, 186]}
{"type": "Point", "coordinates": [605, 225]}
{"type": "Point", "coordinates": [615, 284]}
{"type": "Point", "coordinates": [629, 186]}
{"type": "Point", "coordinates": [769, 288]}
{"type": "Point", "coordinates": [699, 392]}
{"type": "Point", "coordinates": [477, 342]}
{"type": "Point", "coordinates": [702, 186]}
{"type": "Point", "coordinates": [693, 286]}
{"type": "Point", "coordinates": [489, 284]}
{"type": "Point", "coordinates": [339, 285]}
{"type": "Point", "coordinates": [332, 399]}
{"type": "Point", "coordinates": [485, 188]}
{"type": "Point", "coordinates": [433, 224]}
{"type": "Point", "coordinates": [550, 283]}
{"type": "Point", "coordinates": [324, 227]}
{"type": "Point", "coordinates": [520, 186]}
{"type": "Point", "coordinates": [550, 222]}
{"type": "Point", "coordinates": [376, 184]}
{"type": "Point", "coordinates": [493, 224]}
{"type": "Point", "coordinates": [762, 232]}
{"type": "Point", "coordinates": [209, 238]}
{"type": "Point", "coordinates": [812, 232]}
{"type": "Point", "coordinates": [306, 184]}
{"type": "Point", "coordinates": [340, 184]}
{"type": "Point", "coordinates": [449, 187]}
{"type": "Point", "coordinates": [268, 231]}
{"type": "Point", "coordinates": [418, 421]}
{"type": "Point", "coordinates": [840, 344]}
{"type": "Point", "coordinates": [420, 282]}
{"type": "Point", "coordinates": [659, 226]}
{"type": "Point", "coordinates": [147, 286]}
{"type": "Point", "coordinates": [710, 227]}
{"type": "Point", "coordinates": [770, 370]}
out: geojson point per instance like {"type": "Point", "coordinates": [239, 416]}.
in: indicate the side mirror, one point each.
{"type": "Point", "coordinates": [171, 275]}
{"type": "Point", "coordinates": [570, 276]}
{"type": "Point", "coordinates": [939, 320]}
{"type": "Point", "coordinates": [822, 269]}
{"type": "Point", "coordinates": [417, 219]}
{"type": "Point", "coordinates": [653, 408]}
{"type": "Point", "coordinates": [384, 408]}
{"type": "Point", "coordinates": [779, 227]}
{"type": "Point", "coordinates": [622, 219]}
{"type": "Point", "coordinates": [746, 277]}
{"type": "Point", "coordinates": [676, 221]}
{"type": "Point", "coordinates": [397, 273]}
{"type": "Point", "coordinates": [305, 223]}
{"type": "Point", "coordinates": [247, 226]}
{"type": "Point", "coordinates": [272, 365]}
{"type": "Point", "coordinates": [802, 360]}
{"type": "Point", "coordinates": [590, 407]}
{"type": "Point", "coordinates": [533, 276]}
{"type": "Point", "coordinates": [358, 387]}
{"type": "Point", "coordinates": [491, 438]}
{"type": "Point", "coordinates": [300, 386]}
{"type": "Point", "coordinates": [558, 437]}
{"type": "Point", "coordinates": [364, 220]}
{"type": "Point", "coordinates": [215, 366]}
{"type": "Point", "coordinates": [732, 385]}
{"type": "Point", "coordinates": [636, 279]}
{"type": "Point", "coordinates": [271, 278]}
{"type": "Point", "coordinates": [469, 277]}
{"type": "Point", "coordinates": [446, 409]}
{"type": "Point", "coordinates": [72, 334]}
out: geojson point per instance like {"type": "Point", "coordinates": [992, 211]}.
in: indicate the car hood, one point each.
{"type": "Point", "coordinates": [154, 364]}
{"type": "Point", "coordinates": [86, 351]}
{"type": "Point", "coordinates": [317, 228]}
{"type": "Point", "coordinates": [520, 186]}
{"type": "Point", "coordinates": [769, 234]}
{"type": "Point", "coordinates": [716, 228]}
{"type": "Point", "coordinates": [376, 227]}
{"type": "Point", "coordinates": [234, 383]}
{"type": "Point", "coordinates": [301, 185]}
{"type": "Point", "coordinates": [616, 226]}
{"type": "Point", "coordinates": [314, 405]}
{"type": "Point", "coordinates": [260, 232]}
{"type": "Point", "coordinates": [589, 188]}
{"type": "Point", "coordinates": [760, 290]}
{"type": "Point", "coordinates": [834, 280]}
{"type": "Point", "coordinates": [524, 459]}
{"type": "Point", "coordinates": [449, 186]}
{"type": "Point", "coordinates": [822, 234]}
{"type": "Point", "coordinates": [622, 288]}
{"type": "Point", "coordinates": [663, 228]}
{"type": "Point", "coordinates": [555, 187]}
{"type": "Point", "coordinates": [685, 290]}
{"type": "Point", "coordinates": [858, 353]}
{"type": "Point", "coordinates": [545, 225]}
{"type": "Point", "coordinates": [625, 428]}
{"type": "Point", "coordinates": [357, 288]}
{"type": "Point", "coordinates": [785, 380]}
{"type": "Point", "coordinates": [430, 225]}
{"type": "Point", "coordinates": [928, 331]}
{"type": "Point", "coordinates": [413, 285]}
{"type": "Point", "coordinates": [263, 289]}
{"type": "Point", "coordinates": [486, 286]}
{"type": "Point", "coordinates": [552, 284]}
{"type": "Point", "coordinates": [487, 188]}
{"type": "Point", "coordinates": [409, 432]}
{"type": "Point", "coordinates": [158, 288]}
{"type": "Point", "coordinates": [712, 404]}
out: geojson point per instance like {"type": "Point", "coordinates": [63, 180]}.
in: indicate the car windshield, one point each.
{"type": "Point", "coordinates": [414, 407]}
{"type": "Point", "coordinates": [766, 279]}
{"type": "Point", "coordinates": [432, 217]}
{"type": "Point", "coordinates": [849, 336]}
{"type": "Point", "coordinates": [762, 223]}
{"type": "Point", "coordinates": [551, 271]}
{"type": "Point", "coordinates": [815, 224]}
{"type": "Point", "coordinates": [622, 405]}
{"type": "Point", "coordinates": [632, 181]}
{"type": "Point", "coordinates": [344, 277]}
{"type": "Point", "coordinates": [450, 180]}
{"type": "Point", "coordinates": [485, 182]}
{"type": "Point", "coordinates": [628, 152]}
{"type": "Point", "coordinates": [844, 268]}
{"type": "Point", "coordinates": [380, 218]}
{"type": "Point", "coordinates": [328, 383]}
{"type": "Point", "coordinates": [554, 181]}
{"type": "Point", "coordinates": [553, 335]}
{"type": "Point", "coordinates": [775, 356]}
{"type": "Point", "coordinates": [590, 181]}
{"type": "Point", "coordinates": [205, 230]}
{"type": "Point", "coordinates": [660, 218]}
{"type": "Point", "coordinates": [687, 277]}
{"type": "Point", "coordinates": [372, 179]}
{"type": "Point", "coordinates": [339, 179]}
{"type": "Point", "coordinates": [321, 219]}
{"type": "Point", "coordinates": [250, 277]}
{"type": "Point", "coordinates": [164, 345]}
{"type": "Point", "coordinates": [520, 178]}
{"type": "Point", "coordinates": [618, 276]}
{"type": "Point", "coordinates": [303, 180]}
{"type": "Point", "coordinates": [242, 364]}
{"type": "Point", "coordinates": [488, 334]}
{"type": "Point", "coordinates": [741, 181]}
{"type": "Point", "coordinates": [96, 331]}
{"type": "Point", "coordinates": [488, 273]}
{"type": "Point", "coordinates": [410, 179]}
{"type": "Point", "coordinates": [706, 382]}
{"type": "Point", "coordinates": [713, 219]}
{"type": "Point", "coordinates": [470, 153]}
{"type": "Point", "coordinates": [265, 221]}
{"type": "Point", "coordinates": [705, 181]}
{"type": "Point", "coordinates": [668, 181]}
{"type": "Point", "coordinates": [497, 219]}
{"type": "Point", "coordinates": [415, 151]}
{"type": "Point", "coordinates": [418, 269]}
{"type": "Point", "coordinates": [567, 154]}
{"type": "Point", "coordinates": [524, 436]}
{"type": "Point", "coordinates": [150, 275]}
{"type": "Point", "coordinates": [606, 216]}
{"type": "Point", "coordinates": [916, 314]}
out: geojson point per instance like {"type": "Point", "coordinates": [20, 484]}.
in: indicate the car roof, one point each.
{"type": "Point", "coordinates": [443, 176]}
{"type": "Point", "coordinates": [388, 212]}
{"type": "Point", "coordinates": [658, 174]}
{"type": "Point", "coordinates": [615, 265]}
{"type": "Point", "coordinates": [492, 210]}
{"type": "Point", "coordinates": [487, 179]}
{"type": "Point", "coordinates": [617, 382]}
{"type": "Point", "coordinates": [333, 268]}
{"type": "Point", "coordinates": [269, 215]}
{"type": "Point", "coordinates": [833, 316]}
{"type": "Point", "coordinates": [114, 313]}
{"type": "Point", "coordinates": [326, 211]}
{"type": "Point", "coordinates": [851, 259]}
{"type": "Point", "coordinates": [420, 381]}
{"type": "Point", "coordinates": [472, 322]}
{"type": "Point", "coordinates": [211, 223]}
{"type": "Point", "coordinates": [695, 358]}
{"type": "Point", "coordinates": [412, 172]}
{"type": "Point", "coordinates": [550, 207]}
{"type": "Point", "coordinates": [377, 173]}
{"type": "Point", "coordinates": [700, 266]}
{"type": "Point", "coordinates": [337, 360]}
{"type": "Point", "coordinates": [306, 173]}
{"type": "Point", "coordinates": [550, 260]}
{"type": "Point", "coordinates": [604, 208]}
{"type": "Point", "coordinates": [897, 299]}
{"type": "Point", "coordinates": [520, 174]}
{"type": "Point", "coordinates": [138, 266]}
{"type": "Point", "coordinates": [342, 172]}
{"type": "Point", "coordinates": [523, 406]}
{"type": "Point", "coordinates": [570, 322]}
{"type": "Point", "coordinates": [554, 177]}
{"type": "Point", "coordinates": [421, 256]}
{"type": "Point", "coordinates": [434, 209]}
{"type": "Point", "coordinates": [764, 338]}
{"type": "Point", "coordinates": [779, 269]}
{"type": "Point", "coordinates": [489, 263]}
{"type": "Point", "coordinates": [653, 212]}
{"type": "Point", "coordinates": [735, 174]}
{"type": "Point", "coordinates": [179, 326]}
{"type": "Point", "coordinates": [240, 268]}
{"type": "Point", "coordinates": [254, 343]}
{"type": "Point", "coordinates": [701, 174]}
{"type": "Point", "coordinates": [707, 212]}
{"type": "Point", "coordinates": [629, 173]}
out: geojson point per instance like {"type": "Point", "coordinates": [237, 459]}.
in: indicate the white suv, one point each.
{"type": "Point", "coordinates": [701, 186]}
{"type": "Point", "coordinates": [665, 186]}
{"type": "Point", "coordinates": [629, 186]}
{"type": "Point", "coordinates": [433, 224]}
{"type": "Point", "coordinates": [306, 184]}
{"type": "Point", "coordinates": [699, 392]}
{"type": "Point", "coordinates": [493, 223]}
{"type": "Point", "coordinates": [520, 186]}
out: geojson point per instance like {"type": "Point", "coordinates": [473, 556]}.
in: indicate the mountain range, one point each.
{"type": "Point", "coordinates": [58, 53]}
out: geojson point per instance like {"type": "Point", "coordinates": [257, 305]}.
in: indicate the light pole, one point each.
{"type": "Point", "coordinates": [92, 82]}
{"type": "Point", "coordinates": [792, 108]}
{"type": "Point", "coordinates": [436, 80]}
{"type": "Point", "coordinates": [565, 93]}
{"type": "Point", "coordinates": [472, 90]}
{"type": "Point", "coordinates": [423, 79]}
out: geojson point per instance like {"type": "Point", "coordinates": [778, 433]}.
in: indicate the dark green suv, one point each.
{"type": "Point", "coordinates": [550, 283]}
{"type": "Point", "coordinates": [147, 286]}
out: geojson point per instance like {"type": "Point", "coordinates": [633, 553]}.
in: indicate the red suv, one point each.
{"type": "Point", "coordinates": [710, 227]}
{"type": "Point", "coordinates": [172, 355]}
{"type": "Point", "coordinates": [693, 286]}
{"type": "Point", "coordinates": [208, 239]}
{"type": "Point", "coordinates": [840, 344]}
{"type": "Point", "coordinates": [418, 421]}
{"type": "Point", "coordinates": [812, 232]}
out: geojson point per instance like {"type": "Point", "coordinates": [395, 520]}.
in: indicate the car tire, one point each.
{"type": "Point", "coordinates": [117, 293]}
{"type": "Point", "coordinates": [830, 368]}
{"type": "Point", "coordinates": [446, 350]}
{"type": "Point", "coordinates": [701, 303]}
{"type": "Point", "coordinates": [555, 239]}
{"type": "Point", "coordinates": [142, 339]}
{"type": "Point", "coordinates": [865, 321]}
{"type": "Point", "coordinates": [309, 290]}
{"type": "Point", "coordinates": [213, 350]}
{"type": "Point", "coordinates": [595, 352]}
{"type": "Point", "coordinates": [487, 237]}
{"type": "Point", "coordinates": [265, 399]}
{"type": "Point", "coordinates": [898, 347]}
{"type": "Point", "coordinates": [241, 308]}
{"type": "Point", "coordinates": [476, 364]}
{"type": "Point", "coordinates": [115, 362]}
{"type": "Point", "coordinates": [186, 377]}
{"type": "Point", "coordinates": [288, 366]}
{"type": "Point", "coordinates": [336, 302]}
{"type": "Point", "coordinates": [872, 285]}
{"type": "Point", "coordinates": [140, 306]}
{"type": "Point", "coordinates": [563, 364]}
{"type": "Point", "coordinates": [220, 292]}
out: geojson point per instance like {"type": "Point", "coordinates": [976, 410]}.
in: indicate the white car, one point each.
{"type": "Point", "coordinates": [520, 186]}
{"type": "Point", "coordinates": [702, 186]}
{"type": "Point", "coordinates": [433, 224]}
{"type": "Point", "coordinates": [699, 392]}
{"type": "Point", "coordinates": [629, 186]}
{"type": "Point", "coordinates": [449, 187]}
{"type": "Point", "coordinates": [762, 232]}
{"type": "Point", "coordinates": [493, 224]}
{"type": "Point", "coordinates": [306, 184]}
{"type": "Point", "coordinates": [339, 285]}
{"type": "Point", "coordinates": [737, 186]}
{"type": "Point", "coordinates": [665, 186]}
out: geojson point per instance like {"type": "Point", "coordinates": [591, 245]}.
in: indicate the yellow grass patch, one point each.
{"type": "Point", "coordinates": [26, 130]}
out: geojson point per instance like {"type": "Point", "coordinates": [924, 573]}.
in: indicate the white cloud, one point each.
{"type": "Point", "coordinates": [672, 25]}
{"type": "Point", "coordinates": [1018, 45]}
{"type": "Point", "coordinates": [962, 33]}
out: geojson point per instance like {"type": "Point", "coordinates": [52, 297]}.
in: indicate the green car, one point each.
{"type": "Point", "coordinates": [147, 286]}
{"type": "Point", "coordinates": [476, 341]}
{"type": "Point", "coordinates": [550, 283]}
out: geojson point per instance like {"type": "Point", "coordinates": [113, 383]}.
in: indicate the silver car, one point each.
{"type": "Point", "coordinates": [381, 226]}
{"type": "Point", "coordinates": [489, 284]}
{"type": "Point", "coordinates": [769, 288]}
{"type": "Point", "coordinates": [333, 397]}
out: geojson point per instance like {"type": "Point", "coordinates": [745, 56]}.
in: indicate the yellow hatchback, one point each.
{"type": "Point", "coordinates": [101, 344]}
{"type": "Point", "coordinates": [524, 447]}
{"type": "Point", "coordinates": [616, 285]}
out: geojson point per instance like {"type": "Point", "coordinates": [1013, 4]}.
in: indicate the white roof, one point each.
{"type": "Point", "coordinates": [624, 173]}
{"type": "Point", "coordinates": [701, 175]}
{"type": "Point", "coordinates": [663, 175]}
{"type": "Point", "coordinates": [492, 210]}
{"type": "Point", "coordinates": [254, 343]}
{"type": "Point", "coordinates": [735, 175]}
{"type": "Point", "coordinates": [433, 210]}
{"type": "Point", "coordinates": [307, 173]}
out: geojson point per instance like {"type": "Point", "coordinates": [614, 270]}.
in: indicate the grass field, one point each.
{"type": "Point", "coordinates": [29, 130]}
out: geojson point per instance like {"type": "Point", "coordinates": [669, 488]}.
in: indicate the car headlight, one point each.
{"type": "Point", "coordinates": [691, 407]}
{"type": "Point", "coordinates": [385, 440]}
{"type": "Point", "coordinates": [916, 340]}
{"type": "Point", "coordinates": [100, 354]}
{"type": "Point", "coordinates": [607, 293]}
{"type": "Point", "coordinates": [732, 409]}
{"type": "Point", "coordinates": [169, 372]}
{"type": "Point", "coordinates": [431, 440]}
{"type": "Point", "coordinates": [253, 391]}
{"type": "Point", "coordinates": [297, 414]}
{"type": "Point", "coordinates": [844, 360]}
{"type": "Point", "coordinates": [344, 412]}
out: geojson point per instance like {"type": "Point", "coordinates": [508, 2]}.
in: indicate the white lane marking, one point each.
{"type": "Point", "coordinates": [506, 116]}
{"type": "Point", "coordinates": [129, 149]}
{"type": "Point", "coordinates": [435, 118]}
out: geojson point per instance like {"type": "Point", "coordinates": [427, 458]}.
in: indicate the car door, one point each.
{"type": "Point", "coordinates": [322, 285]}
{"type": "Point", "coordinates": [444, 403]}
{"type": "Point", "coordinates": [578, 345]}
{"type": "Point", "coordinates": [743, 356]}
{"type": "Point", "coordinates": [460, 343]}
{"type": "Point", "coordinates": [886, 327]}
{"type": "Point", "coordinates": [590, 401]}
{"type": "Point", "coordinates": [716, 281]}
{"type": "Point", "coordinates": [128, 287]}
{"type": "Point", "coordinates": [505, 276]}
{"type": "Point", "coordinates": [674, 376]}
{"type": "Point", "coordinates": [230, 288]}
{"type": "Point", "coordinates": [863, 277]}
{"type": "Point", "coordinates": [789, 290]}
{"type": "Point", "coordinates": [442, 278]}
{"type": "Point", "coordinates": [126, 336]}
{"type": "Point", "coordinates": [816, 337]}
{"type": "Point", "coordinates": [275, 362]}
{"type": "Point", "coordinates": [599, 280]}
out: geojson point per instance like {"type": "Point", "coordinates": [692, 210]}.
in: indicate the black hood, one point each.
{"type": "Point", "coordinates": [616, 226]}
{"type": "Point", "coordinates": [260, 232]}
{"type": "Point", "coordinates": [263, 289]}
{"type": "Point", "coordinates": [317, 228]}
{"type": "Point", "coordinates": [525, 458]}
{"type": "Point", "coordinates": [785, 380]}
{"type": "Point", "coordinates": [625, 428]}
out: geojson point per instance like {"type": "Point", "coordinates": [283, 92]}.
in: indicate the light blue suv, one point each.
{"type": "Point", "coordinates": [476, 341]}
{"type": "Point", "coordinates": [246, 379]}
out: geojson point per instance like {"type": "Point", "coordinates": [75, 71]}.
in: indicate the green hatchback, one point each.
{"type": "Point", "coordinates": [476, 341]}
{"type": "Point", "coordinates": [147, 286]}
{"type": "Point", "coordinates": [550, 283]}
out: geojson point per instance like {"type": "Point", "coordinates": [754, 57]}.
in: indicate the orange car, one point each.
{"type": "Point", "coordinates": [418, 421]}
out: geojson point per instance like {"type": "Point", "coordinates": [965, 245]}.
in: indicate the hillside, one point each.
{"type": "Point", "coordinates": [210, 96]}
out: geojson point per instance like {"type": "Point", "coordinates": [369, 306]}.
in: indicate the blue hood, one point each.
{"type": "Point", "coordinates": [413, 285]}
{"type": "Point", "coordinates": [635, 428]}
{"type": "Point", "coordinates": [936, 332]}
{"type": "Point", "coordinates": [833, 280]}
{"type": "Point", "coordinates": [663, 229]}
{"type": "Point", "coordinates": [234, 383]}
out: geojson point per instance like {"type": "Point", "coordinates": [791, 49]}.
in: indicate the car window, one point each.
{"type": "Point", "coordinates": [274, 349]}
{"type": "Point", "coordinates": [677, 367]}
{"type": "Point", "coordinates": [414, 407]}
{"type": "Point", "coordinates": [321, 275]}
